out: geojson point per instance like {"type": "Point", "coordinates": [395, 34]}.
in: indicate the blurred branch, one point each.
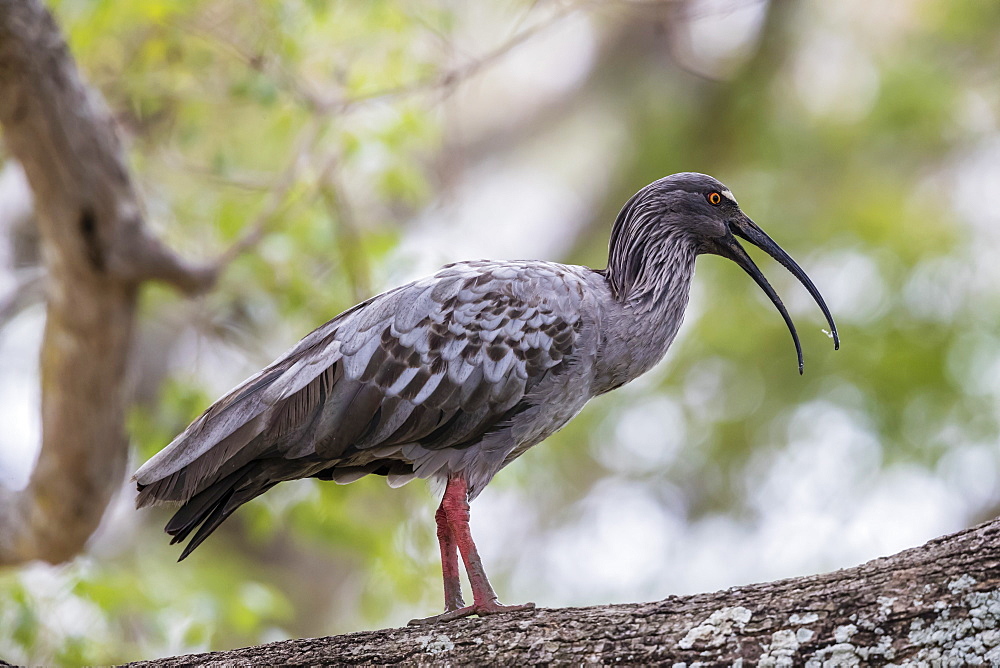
{"type": "Point", "coordinates": [98, 251]}
{"type": "Point", "coordinates": [476, 65]}
{"type": "Point", "coordinates": [277, 200]}
{"type": "Point", "coordinates": [726, 107]}
{"type": "Point", "coordinates": [721, 109]}
{"type": "Point", "coordinates": [931, 605]}
{"type": "Point", "coordinates": [258, 62]}
{"type": "Point", "coordinates": [241, 179]}
{"type": "Point", "coordinates": [15, 196]}
{"type": "Point", "coordinates": [338, 103]}
{"type": "Point", "coordinates": [326, 107]}
{"type": "Point", "coordinates": [352, 255]}
{"type": "Point", "coordinates": [26, 292]}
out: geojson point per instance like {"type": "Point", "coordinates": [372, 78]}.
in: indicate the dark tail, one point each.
{"type": "Point", "coordinates": [207, 509]}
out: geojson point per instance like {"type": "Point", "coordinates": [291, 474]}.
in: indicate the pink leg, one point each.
{"type": "Point", "coordinates": [455, 510]}
{"type": "Point", "coordinates": [449, 563]}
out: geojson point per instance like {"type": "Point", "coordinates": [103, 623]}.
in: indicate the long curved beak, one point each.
{"type": "Point", "coordinates": [729, 247]}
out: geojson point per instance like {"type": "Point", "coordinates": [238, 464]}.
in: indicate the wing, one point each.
{"type": "Point", "coordinates": [438, 363]}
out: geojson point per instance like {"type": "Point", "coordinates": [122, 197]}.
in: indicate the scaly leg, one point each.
{"type": "Point", "coordinates": [455, 510]}
{"type": "Point", "coordinates": [449, 563]}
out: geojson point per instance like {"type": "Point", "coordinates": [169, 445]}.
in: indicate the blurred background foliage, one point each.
{"type": "Point", "coordinates": [336, 149]}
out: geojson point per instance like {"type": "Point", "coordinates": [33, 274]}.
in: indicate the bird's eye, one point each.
{"type": "Point", "coordinates": [715, 199]}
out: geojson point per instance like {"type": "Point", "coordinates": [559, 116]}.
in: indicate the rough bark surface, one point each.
{"type": "Point", "coordinates": [935, 605]}
{"type": "Point", "coordinates": [97, 250]}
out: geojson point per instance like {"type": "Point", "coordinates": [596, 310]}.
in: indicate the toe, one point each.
{"type": "Point", "coordinates": [495, 607]}
{"type": "Point", "coordinates": [492, 607]}
{"type": "Point", "coordinates": [447, 616]}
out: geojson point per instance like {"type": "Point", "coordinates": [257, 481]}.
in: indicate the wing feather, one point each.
{"type": "Point", "coordinates": [434, 365]}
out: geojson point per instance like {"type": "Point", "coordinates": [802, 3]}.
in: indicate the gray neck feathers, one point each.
{"type": "Point", "coordinates": [650, 264]}
{"type": "Point", "coordinates": [650, 267]}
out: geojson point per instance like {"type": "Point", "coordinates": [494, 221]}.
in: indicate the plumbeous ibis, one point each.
{"type": "Point", "coordinates": [454, 376]}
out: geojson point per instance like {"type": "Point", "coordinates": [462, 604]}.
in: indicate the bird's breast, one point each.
{"type": "Point", "coordinates": [562, 402]}
{"type": "Point", "coordinates": [633, 341]}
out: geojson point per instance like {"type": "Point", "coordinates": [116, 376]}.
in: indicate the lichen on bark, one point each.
{"type": "Point", "coordinates": [934, 605]}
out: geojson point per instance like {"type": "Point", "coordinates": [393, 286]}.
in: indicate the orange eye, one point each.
{"type": "Point", "coordinates": [715, 199]}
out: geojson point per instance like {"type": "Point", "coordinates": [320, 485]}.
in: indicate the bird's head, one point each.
{"type": "Point", "coordinates": [699, 215]}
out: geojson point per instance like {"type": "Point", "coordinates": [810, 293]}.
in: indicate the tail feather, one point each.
{"type": "Point", "coordinates": [216, 463]}
{"type": "Point", "coordinates": [194, 511]}
{"type": "Point", "coordinates": [212, 520]}
{"type": "Point", "coordinates": [206, 510]}
{"type": "Point", "coordinates": [211, 523]}
{"type": "Point", "coordinates": [160, 491]}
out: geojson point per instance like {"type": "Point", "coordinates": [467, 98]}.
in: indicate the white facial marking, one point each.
{"type": "Point", "coordinates": [728, 195]}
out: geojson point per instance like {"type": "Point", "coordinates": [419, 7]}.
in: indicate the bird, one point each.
{"type": "Point", "coordinates": [452, 377]}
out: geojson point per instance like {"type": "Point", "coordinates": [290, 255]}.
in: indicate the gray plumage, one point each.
{"type": "Point", "coordinates": [458, 373]}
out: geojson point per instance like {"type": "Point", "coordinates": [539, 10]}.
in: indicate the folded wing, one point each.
{"type": "Point", "coordinates": [435, 364]}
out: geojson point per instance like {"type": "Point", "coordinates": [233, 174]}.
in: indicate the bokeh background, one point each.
{"type": "Point", "coordinates": [375, 141]}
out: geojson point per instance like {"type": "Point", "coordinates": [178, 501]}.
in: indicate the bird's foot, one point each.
{"type": "Point", "coordinates": [491, 607]}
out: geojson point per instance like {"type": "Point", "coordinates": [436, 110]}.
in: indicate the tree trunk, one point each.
{"type": "Point", "coordinates": [935, 605]}
{"type": "Point", "coordinates": [97, 251]}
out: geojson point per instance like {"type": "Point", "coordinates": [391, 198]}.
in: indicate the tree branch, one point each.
{"type": "Point", "coordinates": [276, 203]}
{"type": "Point", "coordinates": [97, 251]}
{"type": "Point", "coordinates": [352, 256]}
{"type": "Point", "coordinates": [336, 103]}
{"type": "Point", "coordinates": [26, 292]}
{"type": "Point", "coordinates": [938, 604]}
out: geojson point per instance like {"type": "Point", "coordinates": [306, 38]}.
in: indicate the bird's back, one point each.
{"type": "Point", "coordinates": [458, 372]}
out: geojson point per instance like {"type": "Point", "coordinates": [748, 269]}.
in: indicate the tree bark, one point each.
{"type": "Point", "coordinates": [97, 251]}
{"type": "Point", "coordinates": [935, 605]}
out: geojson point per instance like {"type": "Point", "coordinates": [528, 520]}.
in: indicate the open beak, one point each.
{"type": "Point", "coordinates": [729, 247]}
